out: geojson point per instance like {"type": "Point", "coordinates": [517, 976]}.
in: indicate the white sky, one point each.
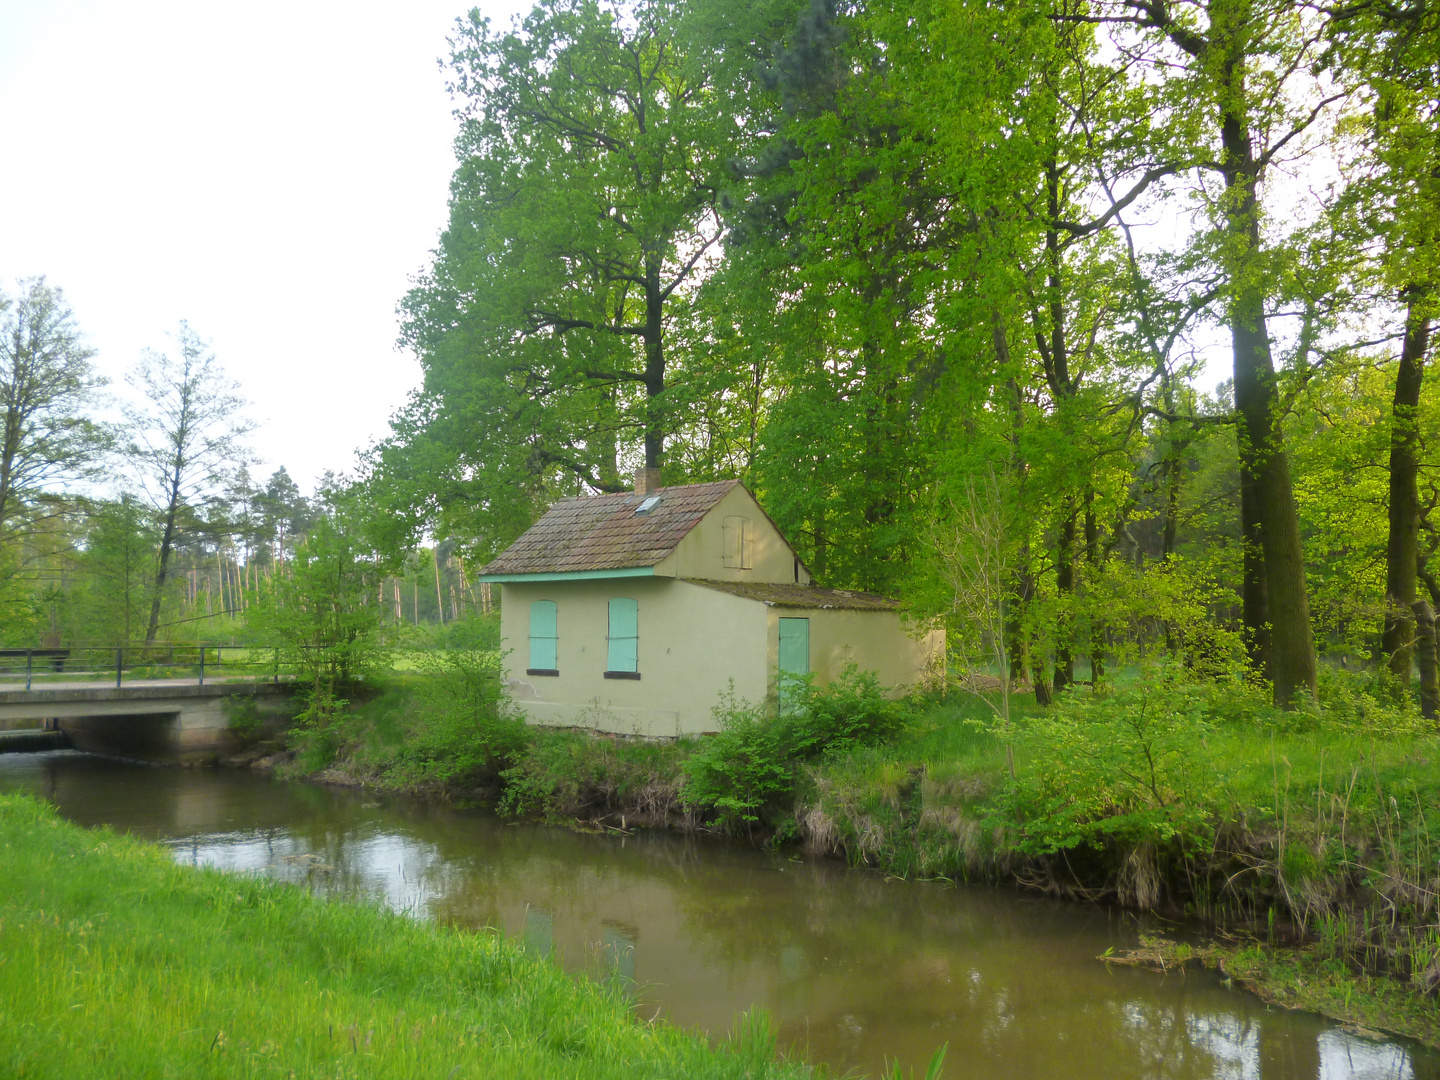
{"type": "Point", "coordinates": [274, 173]}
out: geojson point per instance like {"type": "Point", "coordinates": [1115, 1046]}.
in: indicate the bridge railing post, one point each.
{"type": "Point", "coordinates": [202, 665]}
{"type": "Point", "coordinates": [29, 666]}
{"type": "Point", "coordinates": [119, 660]}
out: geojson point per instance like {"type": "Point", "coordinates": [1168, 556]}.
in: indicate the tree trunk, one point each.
{"type": "Point", "coordinates": [1065, 587]}
{"type": "Point", "coordinates": [1402, 550]}
{"type": "Point", "coordinates": [167, 543]}
{"type": "Point", "coordinates": [1254, 597]}
{"type": "Point", "coordinates": [1093, 556]}
{"type": "Point", "coordinates": [1043, 694]}
{"type": "Point", "coordinates": [1277, 619]}
{"type": "Point", "coordinates": [1425, 654]}
{"type": "Point", "coordinates": [1174, 477]}
{"type": "Point", "coordinates": [654, 363]}
{"type": "Point", "coordinates": [439, 600]}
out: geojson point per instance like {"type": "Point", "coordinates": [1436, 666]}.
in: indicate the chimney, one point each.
{"type": "Point", "coordinates": [646, 481]}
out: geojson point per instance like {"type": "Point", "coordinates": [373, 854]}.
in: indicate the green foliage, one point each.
{"type": "Point", "coordinates": [118, 962]}
{"type": "Point", "coordinates": [323, 614]}
{"type": "Point", "coordinates": [470, 734]}
{"type": "Point", "coordinates": [552, 326]}
{"type": "Point", "coordinates": [47, 440]}
{"type": "Point", "coordinates": [474, 632]}
{"type": "Point", "coordinates": [241, 716]}
{"type": "Point", "coordinates": [1118, 766]}
{"type": "Point", "coordinates": [747, 768]}
{"type": "Point", "coordinates": [749, 771]}
{"type": "Point", "coordinates": [117, 572]}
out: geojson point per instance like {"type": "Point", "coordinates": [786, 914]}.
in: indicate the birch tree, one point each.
{"type": "Point", "coordinates": [187, 439]}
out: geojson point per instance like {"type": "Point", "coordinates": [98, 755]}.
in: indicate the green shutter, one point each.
{"type": "Point", "coordinates": [624, 636]}
{"type": "Point", "coordinates": [543, 636]}
{"type": "Point", "coordinates": [794, 658]}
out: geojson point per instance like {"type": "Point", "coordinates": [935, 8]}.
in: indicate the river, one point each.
{"type": "Point", "coordinates": [857, 971]}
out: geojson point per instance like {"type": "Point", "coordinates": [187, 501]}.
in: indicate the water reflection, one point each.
{"type": "Point", "coordinates": [854, 969]}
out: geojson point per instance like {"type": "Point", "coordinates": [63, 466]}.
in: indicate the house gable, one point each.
{"type": "Point", "coordinates": [715, 531]}
{"type": "Point", "coordinates": [735, 541]}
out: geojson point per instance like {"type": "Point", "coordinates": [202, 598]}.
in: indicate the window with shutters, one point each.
{"type": "Point", "coordinates": [544, 639]}
{"type": "Point", "coordinates": [739, 542]}
{"type": "Point", "coordinates": [622, 655]}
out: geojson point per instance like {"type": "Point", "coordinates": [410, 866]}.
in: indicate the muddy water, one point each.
{"type": "Point", "coordinates": [855, 970]}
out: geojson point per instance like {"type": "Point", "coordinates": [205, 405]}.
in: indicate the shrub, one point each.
{"type": "Point", "coordinates": [853, 711]}
{"type": "Point", "coordinates": [744, 769]}
{"type": "Point", "coordinates": [748, 772]}
{"type": "Point", "coordinates": [1127, 764]}
{"type": "Point", "coordinates": [463, 731]}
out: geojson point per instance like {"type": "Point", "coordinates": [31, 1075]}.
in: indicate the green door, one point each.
{"type": "Point", "coordinates": [794, 657]}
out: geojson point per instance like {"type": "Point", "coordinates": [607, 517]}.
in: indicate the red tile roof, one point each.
{"type": "Point", "coordinates": [603, 532]}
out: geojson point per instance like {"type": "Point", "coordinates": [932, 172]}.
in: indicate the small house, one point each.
{"type": "Point", "coordinates": [633, 612]}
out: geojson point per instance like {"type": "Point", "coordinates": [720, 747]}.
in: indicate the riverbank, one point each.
{"type": "Point", "coordinates": [1313, 831]}
{"type": "Point", "coordinates": [115, 961]}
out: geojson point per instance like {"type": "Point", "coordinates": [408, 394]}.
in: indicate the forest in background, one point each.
{"type": "Point", "coordinates": [949, 286]}
{"type": "Point", "coordinates": [136, 522]}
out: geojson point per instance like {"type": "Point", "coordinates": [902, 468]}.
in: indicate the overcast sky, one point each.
{"type": "Point", "coordinates": [274, 173]}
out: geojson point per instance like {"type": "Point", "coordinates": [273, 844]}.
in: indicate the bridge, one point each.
{"type": "Point", "coordinates": [158, 719]}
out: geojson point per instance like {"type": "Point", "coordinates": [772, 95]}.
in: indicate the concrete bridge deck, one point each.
{"type": "Point", "coordinates": [170, 719]}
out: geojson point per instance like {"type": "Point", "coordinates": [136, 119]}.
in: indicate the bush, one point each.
{"type": "Point", "coordinates": [1127, 764]}
{"type": "Point", "coordinates": [746, 768]}
{"type": "Point", "coordinates": [450, 727]}
{"type": "Point", "coordinates": [460, 731]}
{"type": "Point", "coordinates": [748, 772]}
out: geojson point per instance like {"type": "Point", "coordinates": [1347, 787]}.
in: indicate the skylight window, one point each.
{"type": "Point", "coordinates": [648, 505]}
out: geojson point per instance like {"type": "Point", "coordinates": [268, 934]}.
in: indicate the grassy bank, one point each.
{"type": "Point", "coordinates": [116, 962]}
{"type": "Point", "coordinates": [1316, 830]}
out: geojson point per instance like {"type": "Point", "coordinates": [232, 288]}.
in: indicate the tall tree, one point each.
{"type": "Point", "coordinates": [285, 514]}
{"type": "Point", "coordinates": [592, 153]}
{"type": "Point", "coordinates": [188, 439]}
{"type": "Point", "coordinates": [1395, 49]}
{"type": "Point", "coordinates": [47, 385]}
{"type": "Point", "coordinates": [1236, 69]}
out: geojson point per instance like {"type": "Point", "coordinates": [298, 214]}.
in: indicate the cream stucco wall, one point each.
{"type": "Point", "coordinates": [693, 643]}
{"type": "Point", "coordinates": [702, 553]}
{"type": "Point", "coordinates": [877, 641]}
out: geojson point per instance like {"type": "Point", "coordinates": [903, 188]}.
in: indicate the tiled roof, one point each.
{"type": "Point", "coordinates": [603, 532]}
{"type": "Point", "coordinates": [802, 596]}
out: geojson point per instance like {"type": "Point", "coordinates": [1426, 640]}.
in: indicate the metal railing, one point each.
{"type": "Point", "coordinates": [115, 663]}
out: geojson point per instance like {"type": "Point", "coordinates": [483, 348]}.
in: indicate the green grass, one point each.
{"type": "Point", "coordinates": [117, 963]}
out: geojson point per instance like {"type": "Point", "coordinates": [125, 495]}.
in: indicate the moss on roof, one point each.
{"type": "Point", "coordinates": [802, 596]}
